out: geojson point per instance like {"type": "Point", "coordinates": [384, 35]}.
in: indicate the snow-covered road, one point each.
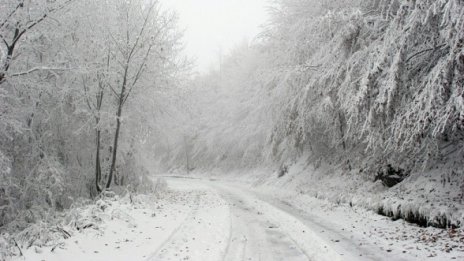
{"type": "Point", "coordinates": [260, 228]}
{"type": "Point", "coordinates": [255, 235]}
{"type": "Point", "coordinates": [211, 220]}
{"type": "Point", "coordinates": [277, 225]}
{"type": "Point", "coordinates": [260, 231]}
{"type": "Point", "coordinates": [231, 224]}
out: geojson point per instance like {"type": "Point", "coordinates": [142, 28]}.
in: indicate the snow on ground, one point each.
{"type": "Point", "coordinates": [359, 234]}
{"type": "Point", "coordinates": [373, 235]}
{"type": "Point", "coordinates": [203, 234]}
{"type": "Point", "coordinates": [435, 195]}
{"type": "Point", "coordinates": [210, 219]}
{"type": "Point", "coordinates": [357, 225]}
{"type": "Point", "coordinates": [184, 224]}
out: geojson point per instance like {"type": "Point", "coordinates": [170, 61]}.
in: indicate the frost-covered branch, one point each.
{"type": "Point", "coordinates": [38, 69]}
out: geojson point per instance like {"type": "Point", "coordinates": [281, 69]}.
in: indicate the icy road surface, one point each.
{"type": "Point", "coordinates": [211, 220]}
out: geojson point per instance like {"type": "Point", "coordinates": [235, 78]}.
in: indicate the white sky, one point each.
{"type": "Point", "coordinates": [215, 25]}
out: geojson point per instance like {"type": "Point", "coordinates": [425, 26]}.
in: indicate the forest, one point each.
{"type": "Point", "coordinates": [99, 96]}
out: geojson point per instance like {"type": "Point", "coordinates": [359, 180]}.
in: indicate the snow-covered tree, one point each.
{"type": "Point", "coordinates": [365, 83]}
{"type": "Point", "coordinates": [69, 70]}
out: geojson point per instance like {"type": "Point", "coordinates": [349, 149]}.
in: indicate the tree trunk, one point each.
{"type": "Point", "coordinates": [122, 97]}
{"type": "Point", "coordinates": [115, 145]}
{"type": "Point", "coordinates": [98, 163]}
{"type": "Point", "coordinates": [341, 120]}
{"type": "Point", "coordinates": [187, 159]}
{"type": "Point", "coordinates": [6, 64]}
{"type": "Point", "coordinates": [116, 178]}
{"type": "Point", "coordinates": [98, 174]}
{"type": "Point", "coordinates": [100, 96]}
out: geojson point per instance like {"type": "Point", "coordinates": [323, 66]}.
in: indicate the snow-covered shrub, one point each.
{"type": "Point", "coordinates": [86, 216]}
{"type": "Point", "coordinates": [5, 247]}
{"type": "Point", "coordinates": [5, 186]}
{"type": "Point", "coordinates": [7, 210]}
{"type": "Point", "coordinates": [5, 167]}
{"type": "Point", "coordinates": [39, 234]}
{"type": "Point", "coordinates": [49, 189]}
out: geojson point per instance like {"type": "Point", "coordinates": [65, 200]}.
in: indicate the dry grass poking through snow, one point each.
{"type": "Point", "coordinates": [84, 217]}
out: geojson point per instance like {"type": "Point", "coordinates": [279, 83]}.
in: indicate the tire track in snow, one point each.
{"type": "Point", "coordinates": [344, 242]}
{"type": "Point", "coordinates": [258, 230]}
{"type": "Point", "coordinates": [343, 249]}
{"type": "Point", "coordinates": [229, 241]}
{"type": "Point", "coordinates": [203, 235]}
{"type": "Point", "coordinates": [177, 229]}
{"type": "Point", "coordinates": [255, 237]}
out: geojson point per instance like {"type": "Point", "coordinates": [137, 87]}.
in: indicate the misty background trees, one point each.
{"type": "Point", "coordinates": [366, 84]}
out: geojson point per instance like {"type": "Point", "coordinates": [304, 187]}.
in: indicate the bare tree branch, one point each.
{"type": "Point", "coordinates": [20, 5]}
{"type": "Point", "coordinates": [39, 69]}
{"type": "Point", "coordinates": [424, 51]}
{"type": "Point", "coordinates": [139, 35]}
{"type": "Point", "coordinates": [139, 73]}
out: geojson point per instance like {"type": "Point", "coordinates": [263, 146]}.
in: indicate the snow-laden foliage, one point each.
{"type": "Point", "coordinates": [407, 97]}
{"type": "Point", "coordinates": [81, 86]}
{"type": "Point", "coordinates": [381, 80]}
